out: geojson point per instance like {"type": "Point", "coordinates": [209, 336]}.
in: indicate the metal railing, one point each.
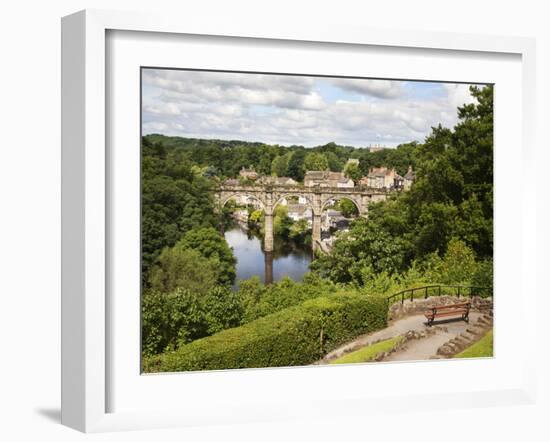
{"type": "Point", "coordinates": [436, 290]}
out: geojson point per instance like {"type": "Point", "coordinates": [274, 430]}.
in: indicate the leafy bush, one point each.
{"type": "Point", "coordinates": [298, 335]}
{"type": "Point", "coordinates": [365, 245]}
{"type": "Point", "coordinates": [256, 217]}
{"type": "Point", "coordinates": [281, 222]}
{"type": "Point", "coordinates": [483, 276]}
{"type": "Point", "coordinates": [457, 266]}
{"type": "Point", "coordinates": [185, 269]}
{"type": "Point", "coordinates": [174, 319]}
{"type": "Point", "coordinates": [212, 245]}
{"type": "Point", "coordinates": [260, 300]}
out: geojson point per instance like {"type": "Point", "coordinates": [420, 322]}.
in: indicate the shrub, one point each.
{"type": "Point", "coordinates": [483, 276]}
{"type": "Point", "coordinates": [456, 267]}
{"type": "Point", "coordinates": [176, 318]}
{"type": "Point", "coordinates": [298, 335]}
{"type": "Point", "coordinates": [260, 300]}
{"type": "Point", "coordinates": [187, 269]}
{"type": "Point", "coordinates": [212, 245]}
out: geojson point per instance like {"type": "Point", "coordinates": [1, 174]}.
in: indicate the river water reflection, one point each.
{"type": "Point", "coordinates": [287, 259]}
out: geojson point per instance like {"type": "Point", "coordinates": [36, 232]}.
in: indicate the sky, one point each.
{"type": "Point", "coordinates": [287, 109]}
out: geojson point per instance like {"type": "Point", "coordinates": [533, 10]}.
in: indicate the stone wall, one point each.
{"type": "Point", "coordinates": [419, 305]}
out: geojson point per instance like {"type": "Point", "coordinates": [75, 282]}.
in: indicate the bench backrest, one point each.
{"type": "Point", "coordinates": [461, 306]}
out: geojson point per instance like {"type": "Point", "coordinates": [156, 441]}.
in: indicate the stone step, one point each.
{"type": "Point", "coordinates": [461, 345]}
{"type": "Point", "coordinates": [445, 350]}
{"type": "Point", "coordinates": [478, 325]}
{"type": "Point", "coordinates": [466, 337]}
{"type": "Point", "coordinates": [476, 331]}
{"type": "Point", "coordinates": [472, 336]}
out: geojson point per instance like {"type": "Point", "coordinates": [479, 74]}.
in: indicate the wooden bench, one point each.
{"type": "Point", "coordinates": [460, 311]}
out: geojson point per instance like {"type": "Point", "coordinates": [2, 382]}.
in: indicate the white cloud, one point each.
{"type": "Point", "coordinates": [294, 110]}
{"type": "Point", "coordinates": [375, 88]}
{"type": "Point", "coordinates": [458, 94]}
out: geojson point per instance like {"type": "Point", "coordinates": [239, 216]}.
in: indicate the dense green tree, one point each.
{"type": "Point", "coordinates": [353, 171]}
{"type": "Point", "coordinates": [187, 269]}
{"type": "Point", "coordinates": [264, 166]}
{"type": "Point", "coordinates": [296, 165]}
{"type": "Point", "coordinates": [365, 245]}
{"type": "Point", "coordinates": [300, 231]}
{"type": "Point", "coordinates": [334, 163]}
{"type": "Point", "coordinates": [170, 207]}
{"type": "Point", "coordinates": [212, 246]}
{"type": "Point", "coordinates": [222, 309]}
{"type": "Point", "coordinates": [167, 319]}
{"type": "Point", "coordinates": [256, 217]}
{"type": "Point", "coordinates": [435, 227]}
{"type": "Point", "coordinates": [279, 165]}
{"type": "Point", "coordinates": [281, 222]}
{"type": "Point", "coordinates": [179, 317]}
{"type": "Point", "coordinates": [457, 266]}
{"type": "Point", "coordinates": [316, 161]}
{"type": "Point", "coordinates": [347, 207]}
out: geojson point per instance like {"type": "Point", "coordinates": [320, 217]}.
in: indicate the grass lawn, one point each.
{"type": "Point", "coordinates": [368, 353]}
{"type": "Point", "coordinates": [481, 349]}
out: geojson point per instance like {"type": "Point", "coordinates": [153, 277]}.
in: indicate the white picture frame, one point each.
{"type": "Point", "coordinates": [86, 206]}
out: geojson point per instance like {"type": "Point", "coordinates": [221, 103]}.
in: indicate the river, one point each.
{"type": "Point", "coordinates": [287, 259]}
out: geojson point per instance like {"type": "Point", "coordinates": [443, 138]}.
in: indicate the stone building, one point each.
{"type": "Point", "coordinates": [408, 179]}
{"type": "Point", "coordinates": [231, 182]}
{"type": "Point", "coordinates": [376, 148]}
{"type": "Point", "coordinates": [277, 181]}
{"type": "Point", "coordinates": [382, 178]}
{"type": "Point", "coordinates": [299, 211]}
{"type": "Point", "coordinates": [334, 219]}
{"type": "Point", "coordinates": [325, 178]}
{"type": "Point", "coordinates": [249, 174]}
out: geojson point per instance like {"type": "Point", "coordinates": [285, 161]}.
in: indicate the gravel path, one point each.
{"type": "Point", "coordinates": [418, 350]}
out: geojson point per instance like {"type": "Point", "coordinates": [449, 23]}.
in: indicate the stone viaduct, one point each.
{"type": "Point", "coordinates": [317, 197]}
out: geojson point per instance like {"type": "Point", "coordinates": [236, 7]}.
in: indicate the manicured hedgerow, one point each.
{"type": "Point", "coordinates": [299, 335]}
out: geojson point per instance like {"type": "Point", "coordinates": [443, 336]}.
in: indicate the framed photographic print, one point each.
{"type": "Point", "coordinates": [251, 214]}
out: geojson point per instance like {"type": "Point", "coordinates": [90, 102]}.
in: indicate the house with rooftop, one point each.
{"type": "Point", "coordinates": [231, 182]}
{"type": "Point", "coordinates": [408, 179]}
{"type": "Point", "coordinates": [277, 181]}
{"type": "Point", "coordinates": [249, 174]}
{"type": "Point", "coordinates": [334, 219]}
{"type": "Point", "coordinates": [325, 178]}
{"type": "Point", "coordinates": [382, 178]}
{"type": "Point", "coordinates": [299, 211]}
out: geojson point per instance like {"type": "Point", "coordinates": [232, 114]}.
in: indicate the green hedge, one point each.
{"type": "Point", "coordinates": [298, 335]}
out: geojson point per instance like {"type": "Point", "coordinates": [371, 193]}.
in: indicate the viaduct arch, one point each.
{"type": "Point", "coordinates": [318, 197]}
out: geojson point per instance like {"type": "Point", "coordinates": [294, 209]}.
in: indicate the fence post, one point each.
{"type": "Point", "coordinates": [459, 292]}
{"type": "Point", "coordinates": [426, 295]}
{"type": "Point", "coordinates": [439, 290]}
{"type": "Point", "coordinates": [412, 293]}
{"type": "Point", "coordinates": [402, 297]}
